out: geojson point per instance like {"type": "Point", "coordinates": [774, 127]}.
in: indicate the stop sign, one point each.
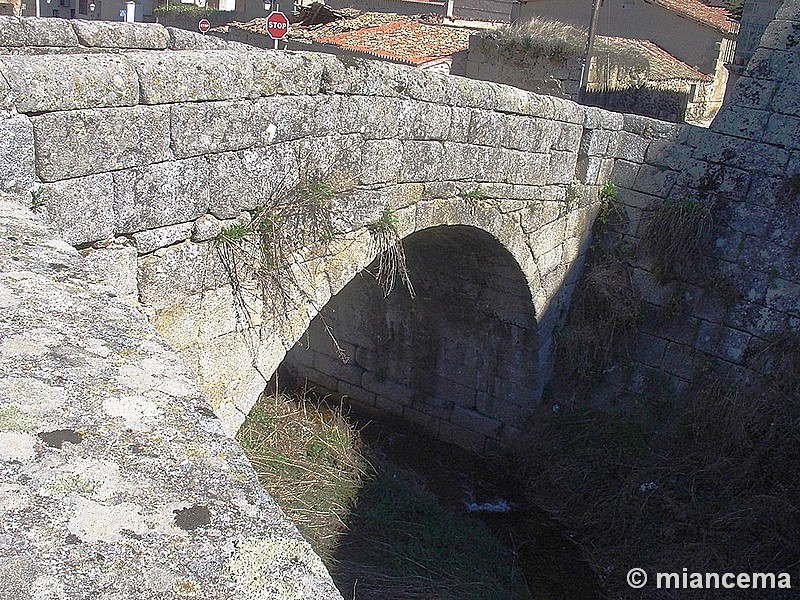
{"type": "Point", "coordinates": [277, 25]}
{"type": "Point", "coordinates": [203, 25]}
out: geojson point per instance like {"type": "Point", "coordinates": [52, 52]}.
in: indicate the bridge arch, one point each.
{"type": "Point", "coordinates": [460, 358]}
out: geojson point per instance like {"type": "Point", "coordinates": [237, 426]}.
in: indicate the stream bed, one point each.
{"type": "Point", "coordinates": [437, 522]}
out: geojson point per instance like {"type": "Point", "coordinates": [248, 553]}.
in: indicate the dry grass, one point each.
{"type": "Point", "coordinates": [561, 40]}
{"type": "Point", "coordinates": [678, 238]}
{"type": "Point", "coordinates": [600, 331]}
{"type": "Point", "coordinates": [391, 254]}
{"type": "Point", "coordinates": [309, 459]}
{"type": "Point", "coordinates": [379, 529]}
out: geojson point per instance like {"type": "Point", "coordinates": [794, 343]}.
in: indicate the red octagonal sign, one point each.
{"type": "Point", "coordinates": [277, 25]}
{"type": "Point", "coordinates": [203, 25]}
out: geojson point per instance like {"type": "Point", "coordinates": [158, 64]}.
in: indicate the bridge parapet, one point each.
{"type": "Point", "coordinates": [151, 152]}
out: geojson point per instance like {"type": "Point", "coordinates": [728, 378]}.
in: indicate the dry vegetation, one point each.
{"type": "Point", "coordinates": [705, 478]}
{"type": "Point", "coordinates": [561, 40]}
{"type": "Point", "coordinates": [378, 528]}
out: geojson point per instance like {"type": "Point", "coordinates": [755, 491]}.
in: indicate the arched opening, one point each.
{"type": "Point", "coordinates": [392, 508]}
{"type": "Point", "coordinates": [459, 359]}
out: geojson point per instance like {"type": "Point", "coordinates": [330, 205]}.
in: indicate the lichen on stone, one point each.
{"type": "Point", "coordinates": [14, 419]}
{"type": "Point", "coordinates": [279, 569]}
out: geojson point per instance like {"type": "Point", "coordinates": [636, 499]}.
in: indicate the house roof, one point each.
{"type": "Point", "coordinates": [413, 40]}
{"type": "Point", "coordinates": [403, 41]}
{"type": "Point", "coordinates": [662, 65]}
{"type": "Point", "coordinates": [713, 16]}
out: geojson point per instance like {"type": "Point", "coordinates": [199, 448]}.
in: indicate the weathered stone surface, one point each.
{"type": "Point", "coordinates": [160, 194]}
{"type": "Point", "coordinates": [111, 34]}
{"type": "Point", "coordinates": [184, 76]}
{"type": "Point", "coordinates": [100, 140]}
{"type": "Point", "coordinates": [243, 180]}
{"type": "Point", "coordinates": [153, 239]}
{"type": "Point", "coordinates": [179, 271]}
{"type": "Point", "coordinates": [115, 265]}
{"type": "Point", "coordinates": [138, 432]}
{"type": "Point", "coordinates": [38, 83]}
{"type": "Point", "coordinates": [530, 134]}
{"type": "Point", "coordinates": [181, 39]}
{"type": "Point", "coordinates": [422, 161]}
{"type": "Point", "coordinates": [206, 228]}
{"type": "Point", "coordinates": [17, 165]}
{"type": "Point", "coordinates": [80, 217]}
{"type": "Point", "coordinates": [379, 161]}
{"type": "Point", "coordinates": [293, 73]}
{"type": "Point", "coordinates": [33, 31]}
{"type": "Point", "coordinates": [209, 127]}
{"type": "Point", "coordinates": [422, 121]}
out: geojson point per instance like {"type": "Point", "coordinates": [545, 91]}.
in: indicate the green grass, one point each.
{"type": "Point", "coordinates": [378, 528]}
{"type": "Point", "coordinates": [386, 222]}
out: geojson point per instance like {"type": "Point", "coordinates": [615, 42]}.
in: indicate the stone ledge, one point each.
{"type": "Point", "coordinates": [108, 450]}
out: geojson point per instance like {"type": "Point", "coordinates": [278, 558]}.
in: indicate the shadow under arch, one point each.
{"type": "Point", "coordinates": [460, 359]}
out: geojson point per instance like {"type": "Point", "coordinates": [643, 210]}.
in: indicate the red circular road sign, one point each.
{"type": "Point", "coordinates": [277, 25]}
{"type": "Point", "coordinates": [203, 25]}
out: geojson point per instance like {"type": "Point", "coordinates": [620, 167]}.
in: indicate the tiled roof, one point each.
{"type": "Point", "coordinates": [662, 65]}
{"type": "Point", "coordinates": [403, 41]}
{"type": "Point", "coordinates": [713, 16]}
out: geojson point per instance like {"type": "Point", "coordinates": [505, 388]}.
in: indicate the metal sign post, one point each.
{"type": "Point", "coordinates": [587, 57]}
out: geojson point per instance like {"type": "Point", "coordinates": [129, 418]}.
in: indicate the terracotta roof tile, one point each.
{"type": "Point", "coordinates": [403, 41]}
{"type": "Point", "coordinates": [713, 16]}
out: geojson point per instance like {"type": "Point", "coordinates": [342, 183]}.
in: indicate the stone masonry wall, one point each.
{"type": "Point", "coordinates": [116, 479]}
{"type": "Point", "coordinates": [459, 359]}
{"type": "Point", "coordinates": [160, 161]}
{"type": "Point", "coordinates": [746, 166]}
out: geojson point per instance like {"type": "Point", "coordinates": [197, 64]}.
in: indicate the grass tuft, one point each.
{"type": "Point", "coordinates": [678, 238]}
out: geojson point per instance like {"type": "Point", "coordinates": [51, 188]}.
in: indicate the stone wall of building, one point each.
{"type": "Point", "coordinates": [720, 312]}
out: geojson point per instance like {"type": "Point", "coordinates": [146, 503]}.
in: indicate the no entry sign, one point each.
{"type": "Point", "coordinates": [203, 25]}
{"type": "Point", "coordinates": [277, 25]}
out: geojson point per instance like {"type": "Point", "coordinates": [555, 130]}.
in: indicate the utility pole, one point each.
{"type": "Point", "coordinates": [587, 56]}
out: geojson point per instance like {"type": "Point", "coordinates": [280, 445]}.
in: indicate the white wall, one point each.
{"type": "Point", "coordinates": [691, 42]}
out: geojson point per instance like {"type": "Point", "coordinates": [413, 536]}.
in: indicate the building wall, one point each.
{"type": "Point", "coordinates": [695, 44]}
{"type": "Point", "coordinates": [756, 15]}
{"type": "Point", "coordinates": [483, 10]}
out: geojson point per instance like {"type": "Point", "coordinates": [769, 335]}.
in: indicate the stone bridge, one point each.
{"type": "Point", "coordinates": [158, 153]}
{"type": "Point", "coordinates": [140, 158]}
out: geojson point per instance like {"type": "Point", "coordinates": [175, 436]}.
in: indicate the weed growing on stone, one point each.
{"type": "Point", "coordinates": [476, 195]}
{"type": "Point", "coordinates": [37, 199]}
{"type": "Point", "coordinates": [609, 203]}
{"type": "Point", "coordinates": [678, 238]}
{"type": "Point", "coordinates": [259, 256]}
{"type": "Point", "coordinates": [391, 255]}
